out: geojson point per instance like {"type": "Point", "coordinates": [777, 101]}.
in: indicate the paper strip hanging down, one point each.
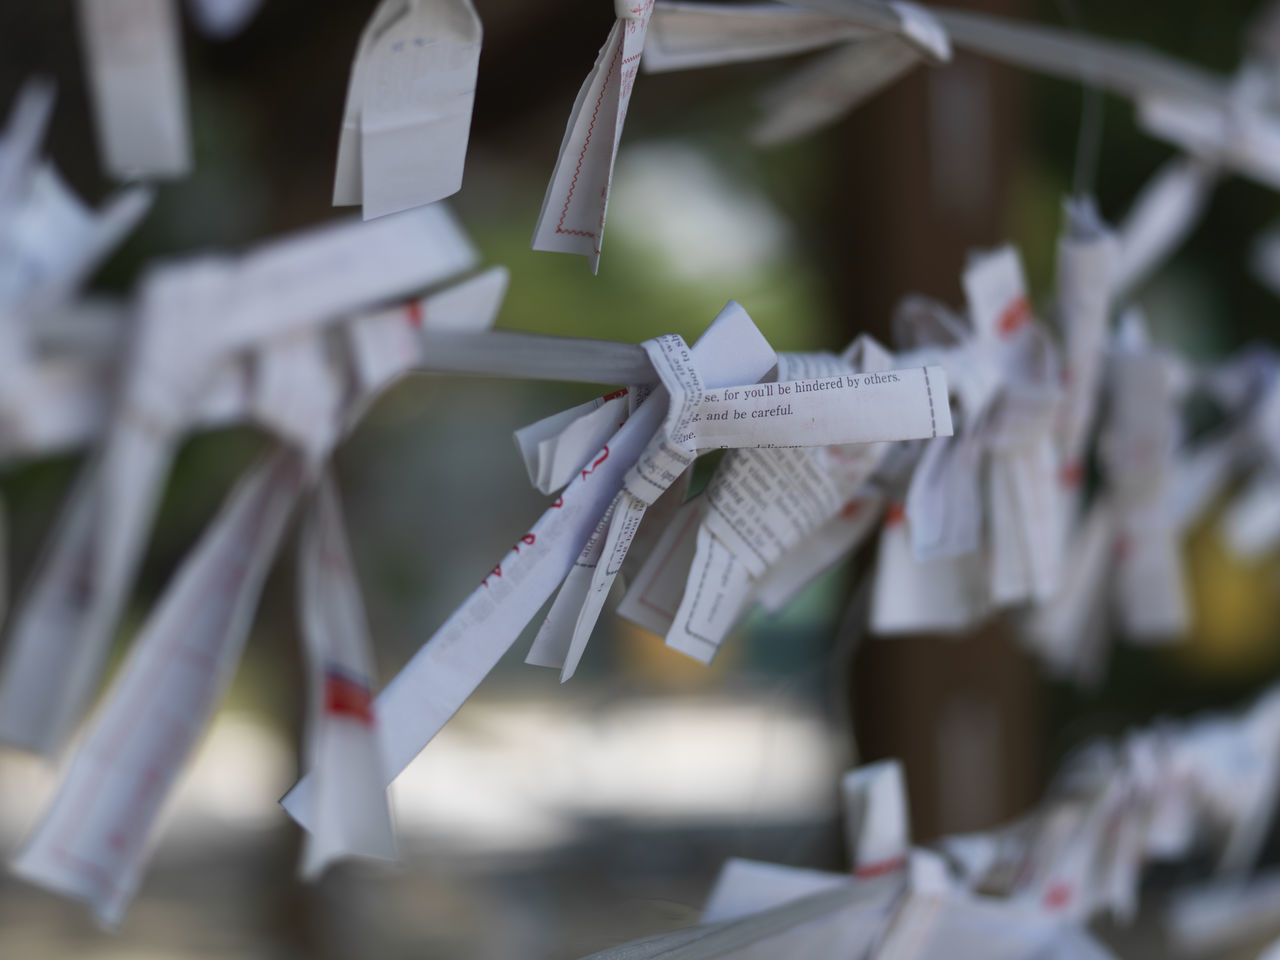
{"type": "Point", "coordinates": [1163, 214]}
{"type": "Point", "coordinates": [1023, 497]}
{"type": "Point", "coordinates": [744, 887]}
{"type": "Point", "coordinates": [444, 672]}
{"type": "Point", "coordinates": [349, 812]}
{"type": "Point", "coordinates": [137, 86]}
{"type": "Point", "coordinates": [20, 141]}
{"type": "Point", "coordinates": [91, 844]}
{"type": "Point", "coordinates": [875, 818]}
{"type": "Point", "coordinates": [52, 240]}
{"type": "Point", "coordinates": [409, 103]}
{"type": "Point", "coordinates": [348, 177]}
{"type": "Point", "coordinates": [573, 210]}
{"type": "Point", "coordinates": [193, 317]}
{"type": "Point", "coordinates": [1137, 450]}
{"type": "Point", "coordinates": [1087, 262]}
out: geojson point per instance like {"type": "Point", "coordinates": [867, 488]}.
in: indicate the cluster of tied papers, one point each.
{"type": "Point", "coordinates": [999, 463]}
{"type": "Point", "coordinates": [1201, 789]}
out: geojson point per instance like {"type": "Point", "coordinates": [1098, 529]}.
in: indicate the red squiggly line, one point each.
{"type": "Point", "coordinates": [573, 184]}
{"type": "Point", "coordinates": [586, 471]}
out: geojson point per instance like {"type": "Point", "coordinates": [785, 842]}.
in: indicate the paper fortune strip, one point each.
{"type": "Point", "coordinates": [408, 111]}
{"type": "Point", "coordinates": [573, 210]}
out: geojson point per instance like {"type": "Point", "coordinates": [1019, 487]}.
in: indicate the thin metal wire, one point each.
{"type": "Point", "coordinates": [1089, 140]}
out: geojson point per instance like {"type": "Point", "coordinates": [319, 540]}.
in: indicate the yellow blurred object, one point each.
{"type": "Point", "coordinates": [1236, 606]}
{"type": "Point", "coordinates": [644, 655]}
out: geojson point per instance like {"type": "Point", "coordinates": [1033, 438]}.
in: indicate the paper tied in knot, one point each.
{"type": "Point", "coordinates": [675, 447]}
{"type": "Point", "coordinates": [632, 9]}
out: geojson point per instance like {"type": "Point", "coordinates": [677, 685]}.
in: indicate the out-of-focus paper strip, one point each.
{"type": "Point", "coordinates": [1149, 593]}
{"type": "Point", "coordinates": [223, 19]}
{"type": "Point", "coordinates": [137, 86]}
{"type": "Point", "coordinates": [1087, 253]}
{"type": "Point", "coordinates": [416, 90]}
{"type": "Point", "coordinates": [1160, 219]}
{"type": "Point", "coordinates": [348, 179]}
{"type": "Point", "coordinates": [831, 86]}
{"type": "Point", "coordinates": [296, 394]}
{"type": "Point", "coordinates": [1223, 914]}
{"type": "Point", "coordinates": [1121, 68]}
{"type": "Point", "coordinates": [54, 241]}
{"type": "Point", "coordinates": [349, 813]}
{"type": "Point", "coordinates": [820, 551]}
{"type": "Point", "coordinates": [875, 816]}
{"type": "Point", "coordinates": [744, 887]}
{"type": "Point", "coordinates": [687, 35]}
{"type": "Point", "coordinates": [92, 841]}
{"type": "Point", "coordinates": [902, 35]}
{"type": "Point", "coordinates": [326, 273]}
{"type": "Point", "coordinates": [20, 143]}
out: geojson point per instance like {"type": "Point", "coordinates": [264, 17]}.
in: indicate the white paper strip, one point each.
{"type": "Point", "coordinates": [573, 211]}
{"type": "Point", "coordinates": [349, 814]}
{"type": "Point", "coordinates": [137, 86]}
{"type": "Point", "coordinates": [416, 86]}
{"type": "Point", "coordinates": [91, 844]}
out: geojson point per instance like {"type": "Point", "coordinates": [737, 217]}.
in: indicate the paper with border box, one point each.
{"type": "Point", "coordinates": [573, 210]}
